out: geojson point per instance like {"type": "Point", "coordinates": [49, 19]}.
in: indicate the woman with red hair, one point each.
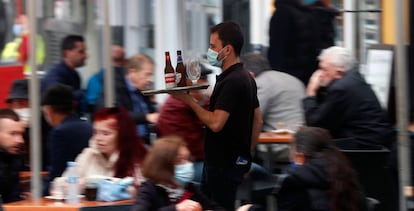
{"type": "Point", "coordinates": [115, 149]}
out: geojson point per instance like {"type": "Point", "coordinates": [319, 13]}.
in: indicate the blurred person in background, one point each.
{"type": "Point", "coordinates": [115, 151]}
{"type": "Point", "coordinates": [95, 85]}
{"type": "Point", "coordinates": [18, 48]}
{"type": "Point", "coordinates": [324, 17]}
{"type": "Point", "coordinates": [169, 171]}
{"type": "Point", "coordinates": [139, 73]}
{"type": "Point", "coordinates": [11, 141]}
{"type": "Point", "coordinates": [293, 39]}
{"type": "Point", "coordinates": [339, 100]}
{"type": "Point", "coordinates": [280, 94]}
{"type": "Point", "coordinates": [177, 118]}
{"type": "Point", "coordinates": [74, 55]}
{"type": "Point", "coordinates": [69, 135]}
{"type": "Point", "coordinates": [18, 100]}
{"type": "Point", "coordinates": [280, 97]}
{"type": "Point", "coordinates": [321, 177]}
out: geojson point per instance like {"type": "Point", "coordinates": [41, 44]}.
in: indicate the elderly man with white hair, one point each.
{"type": "Point", "coordinates": [339, 99]}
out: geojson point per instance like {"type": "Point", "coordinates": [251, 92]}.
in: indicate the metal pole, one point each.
{"type": "Point", "coordinates": [35, 143]}
{"type": "Point", "coordinates": [109, 73]}
{"type": "Point", "coordinates": [349, 26]}
{"type": "Point", "coordinates": [402, 104]}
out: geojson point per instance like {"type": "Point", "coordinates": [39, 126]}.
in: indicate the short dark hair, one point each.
{"type": "Point", "coordinates": [68, 43]}
{"type": "Point", "coordinates": [255, 63]}
{"type": "Point", "coordinates": [229, 33]}
{"type": "Point", "coordinates": [60, 97]}
{"type": "Point", "coordinates": [7, 113]}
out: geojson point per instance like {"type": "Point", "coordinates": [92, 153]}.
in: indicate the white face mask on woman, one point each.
{"type": "Point", "coordinates": [24, 115]}
{"type": "Point", "coordinates": [184, 173]}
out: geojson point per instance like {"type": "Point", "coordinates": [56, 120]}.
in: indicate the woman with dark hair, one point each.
{"type": "Point", "coordinates": [169, 172]}
{"type": "Point", "coordinates": [115, 150]}
{"type": "Point", "coordinates": [321, 177]}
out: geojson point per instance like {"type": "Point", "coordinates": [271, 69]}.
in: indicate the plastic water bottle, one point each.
{"type": "Point", "coordinates": [72, 181]}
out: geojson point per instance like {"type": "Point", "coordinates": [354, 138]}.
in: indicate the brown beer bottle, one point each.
{"type": "Point", "coordinates": [181, 74]}
{"type": "Point", "coordinates": [169, 72]}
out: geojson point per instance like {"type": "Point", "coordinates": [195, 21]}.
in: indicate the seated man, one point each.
{"type": "Point", "coordinates": [11, 140]}
{"type": "Point", "coordinates": [69, 135]}
{"type": "Point", "coordinates": [280, 97]}
{"type": "Point", "coordinates": [339, 99]}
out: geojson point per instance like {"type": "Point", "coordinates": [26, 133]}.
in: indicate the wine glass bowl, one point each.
{"type": "Point", "coordinates": [193, 69]}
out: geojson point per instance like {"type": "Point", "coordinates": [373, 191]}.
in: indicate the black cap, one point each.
{"type": "Point", "coordinates": [58, 94]}
{"type": "Point", "coordinates": [18, 90]}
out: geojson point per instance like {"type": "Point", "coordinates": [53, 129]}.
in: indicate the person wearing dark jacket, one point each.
{"type": "Point", "coordinates": [293, 39]}
{"type": "Point", "coordinates": [169, 173]}
{"type": "Point", "coordinates": [324, 17]}
{"type": "Point", "coordinates": [321, 177]}
{"type": "Point", "coordinates": [73, 49]}
{"type": "Point", "coordinates": [69, 135]}
{"type": "Point", "coordinates": [339, 100]}
{"type": "Point", "coordinates": [11, 141]}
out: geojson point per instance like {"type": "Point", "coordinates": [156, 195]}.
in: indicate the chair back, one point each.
{"type": "Point", "coordinates": [374, 175]}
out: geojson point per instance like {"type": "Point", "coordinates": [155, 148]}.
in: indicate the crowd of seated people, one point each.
{"type": "Point", "coordinates": [114, 142]}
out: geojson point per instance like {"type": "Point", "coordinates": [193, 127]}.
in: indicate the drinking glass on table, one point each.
{"type": "Point", "coordinates": [193, 69]}
{"type": "Point", "coordinates": [57, 191]}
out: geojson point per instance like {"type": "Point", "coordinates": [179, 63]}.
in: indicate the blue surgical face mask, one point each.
{"type": "Point", "coordinates": [184, 173]}
{"type": "Point", "coordinates": [17, 29]}
{"type": "Point", "coordinates": [212, 57]}
{"type": "Point", "coordinates": [308, 2]}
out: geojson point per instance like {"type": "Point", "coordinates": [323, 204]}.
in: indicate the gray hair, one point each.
{"type": "Point", "coordinates": [340, 57]}
{"type": "Point", "coordinates": [255, 63]}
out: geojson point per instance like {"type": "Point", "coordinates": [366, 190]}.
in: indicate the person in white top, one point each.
{"type": "Point", "coordinates": [115, 150]}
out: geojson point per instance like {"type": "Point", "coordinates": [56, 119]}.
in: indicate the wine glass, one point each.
{"type": "Point", "coordinates": [57, 191]}
{"type": "Point", "coordinates": [193, 69]}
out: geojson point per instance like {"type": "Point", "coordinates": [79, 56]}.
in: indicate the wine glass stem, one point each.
{"type": "Point", "coordinates": [194, 82]}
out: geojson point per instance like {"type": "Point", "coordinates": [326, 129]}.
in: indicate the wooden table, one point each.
{"type": "Point", "coordinates": [26, 175]}
{"type": "Point", "coordinates": [270, 138]}
{"type": "Point", "coordinates": [44, 204]}
{"type": "Point", "coordinates": [275, 138]}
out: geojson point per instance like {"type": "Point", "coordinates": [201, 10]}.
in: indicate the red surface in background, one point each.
{"type": "Point", "coordinates": [7, 75]}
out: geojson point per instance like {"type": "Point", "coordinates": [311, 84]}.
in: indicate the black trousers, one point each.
{"type": "Point", "coordinates": [220, 183]}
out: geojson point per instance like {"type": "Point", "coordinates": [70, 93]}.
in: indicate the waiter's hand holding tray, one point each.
{"type": "Point", "coordinates": [175, 89]}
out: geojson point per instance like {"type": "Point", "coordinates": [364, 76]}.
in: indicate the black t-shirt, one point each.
{"type": "Point", "coordinates": [236, 93]}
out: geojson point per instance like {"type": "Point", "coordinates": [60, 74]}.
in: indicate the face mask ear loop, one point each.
{"type": "Point", "coordinates": [219, 54]}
